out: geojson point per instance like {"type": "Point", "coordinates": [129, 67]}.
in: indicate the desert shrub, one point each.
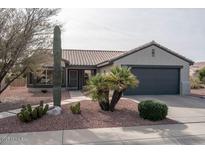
{"type": "Point", "coordinates": [202, 74]}
{"type": "Point", "coordinates": [152, 110]}
{"type": "Point", "coordinates": [203, 80]}
{"type": "Point", "coordinates": [45, 109]}
{"type": "Point", "coordinates": [195, 83]}
{"type": "Point", "coordinates": [75, 109]}
{"type": "Point", "coordinates": [34, 114]}
{"type": "Point", "coordinates": [27, 114]}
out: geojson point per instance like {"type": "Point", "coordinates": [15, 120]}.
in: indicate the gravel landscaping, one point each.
{"type": "Point", "coordinates": [198, 92]}
{"type": "Point", "coordinates": [14, 98]}
{"type": "Point", "coordinates": [91, 117]}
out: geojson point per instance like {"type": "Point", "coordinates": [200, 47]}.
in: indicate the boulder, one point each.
{"type": "Point", "coordinates": [55, 111]}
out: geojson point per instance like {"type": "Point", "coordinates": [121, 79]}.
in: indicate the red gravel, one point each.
{"type": "Point", "coordinates": [198, 92]}
{"type": "Point", "coordinates": [14, 98]}
{"type": "Point", "coordinates": [91, 117]}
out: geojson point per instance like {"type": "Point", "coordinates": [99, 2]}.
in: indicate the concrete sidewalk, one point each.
{"type": "Point", "coordinates": [191, 133]}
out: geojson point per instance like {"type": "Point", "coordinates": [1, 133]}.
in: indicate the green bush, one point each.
{"type": "Point", "coordinates": [152, 110]}
{"type": "Point", "coordinates": [28, 114]}
{"type": "Point", "coordinates": [75, 109]}
{"type": "Point", "coordinates": [195, 83]}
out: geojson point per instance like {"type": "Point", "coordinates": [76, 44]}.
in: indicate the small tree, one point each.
{"type": "Point", "coordinates": [119, 79]}
{"type": "Point", "coordinates": [24, 36]}
{"type": "Point", "coordinates": [97, 88]}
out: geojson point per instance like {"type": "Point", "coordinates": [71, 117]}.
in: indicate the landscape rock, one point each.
{"type": "Point", "coordinates": [55, 111]}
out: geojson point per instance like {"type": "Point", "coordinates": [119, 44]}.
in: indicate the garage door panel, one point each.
{"type": "Point", "coordinates": [155, 81]}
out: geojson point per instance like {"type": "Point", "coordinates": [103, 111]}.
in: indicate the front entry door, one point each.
{"type": "Point", "coordinates": [73, 79]}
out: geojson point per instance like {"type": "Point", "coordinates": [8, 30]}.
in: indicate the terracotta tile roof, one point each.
{"type": "Point", "coordinates": [89, 57]}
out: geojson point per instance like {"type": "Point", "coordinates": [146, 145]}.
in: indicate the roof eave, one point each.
{"type": "Point", "coordinates": [174, 53]}
{"type": "Point", "coordinates": [104, 64]}
{"type": "Point", "coordinates": [65, 60]}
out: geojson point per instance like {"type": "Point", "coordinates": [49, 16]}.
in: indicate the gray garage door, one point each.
{"type": "Point", "coordinates": [155, 81]}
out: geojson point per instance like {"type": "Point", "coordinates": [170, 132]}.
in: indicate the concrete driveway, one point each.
{"type": "Point", "coordinates": [184, 109]}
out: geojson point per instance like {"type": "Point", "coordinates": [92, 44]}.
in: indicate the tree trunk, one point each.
{"type": "Point", "coordinates": [115, 98]}
{"type": "Point", "coordinates": [4, 88]}
{"type": "Point", "coordinates": [104, 105]}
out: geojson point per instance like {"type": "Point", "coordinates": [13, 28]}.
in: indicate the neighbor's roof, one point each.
{"type": "Point", "coordinates": [199, 65]}
{"type": "Point", "coordinates": [88, 57]}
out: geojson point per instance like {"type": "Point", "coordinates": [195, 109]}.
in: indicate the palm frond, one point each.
{"type": "Point", "coordinates": [96, 86]}
{"type": "Point", "coordinates": [120, 78]}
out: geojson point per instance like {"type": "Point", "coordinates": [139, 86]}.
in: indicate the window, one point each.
{"type": "Point", "coordinates": [153, 53]}
{"type": "Point", "coordinates": [30, 78]}
{"type": "Point", "coordinates": [44, 77]}
{"type": "Point", "coordinates": [41, 77]}
{"type": "Point", "coordinates": [87, 75]}
{"type": "Point", "coordinates": [49, 76]}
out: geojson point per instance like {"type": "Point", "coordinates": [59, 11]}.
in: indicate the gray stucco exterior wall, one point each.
{"type": "Point", "coordinates": [161, 58]}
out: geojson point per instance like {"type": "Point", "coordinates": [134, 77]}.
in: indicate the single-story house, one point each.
{"type": "Point", "coordinates": [159, 69]}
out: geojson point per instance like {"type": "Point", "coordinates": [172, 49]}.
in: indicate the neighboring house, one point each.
{"type": "Point", "coordinates": [196, 67]}
{"type": "Point", "coordinates": [159, 70]}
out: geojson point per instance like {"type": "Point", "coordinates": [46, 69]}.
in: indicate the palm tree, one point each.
{"type": "Point", "coordinates": [119, 79]}
{"type": "Point", "coordinates": [97, 88]}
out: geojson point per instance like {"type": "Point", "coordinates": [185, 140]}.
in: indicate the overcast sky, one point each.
{"type": "Point", "coordinates": [181, 30]}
